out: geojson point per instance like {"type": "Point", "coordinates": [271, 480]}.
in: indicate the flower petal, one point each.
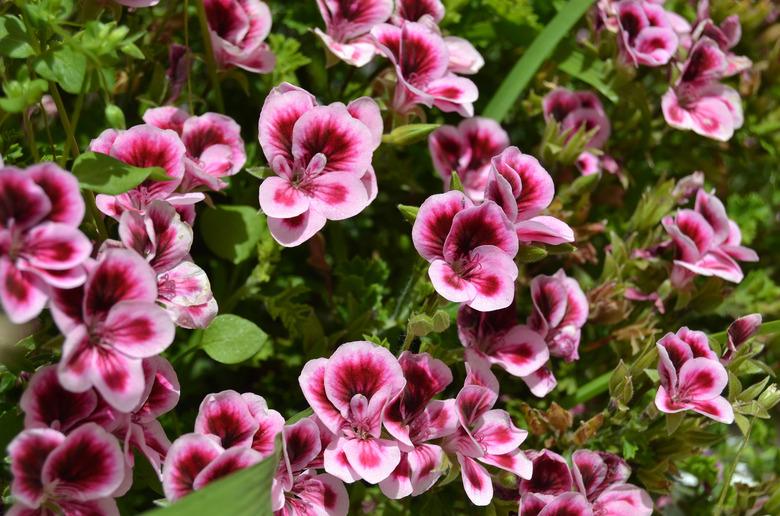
{"type": "Point", "coordinates": [476, 481]}
{"type": "Point", "coordinates": [232, 460]}
{"type": "Point", "coordinates": [449, 284]}
{"type": "Point", "coordinates": [434, 222]}
{"type": "Point", "coordinates": [28, 453]}
{"type": "Point", "coordinates": [372, 459]}
{"type": "Point", "coordinates": [120, 275]}
{"type": "Point", "coordinates": [531, 183]}
{"type": "Point", "coordinates": [226, 416]}
{"type": "Point", "coordinates": [22, 294]}
{"type": "Point", "coordinates": [280, 198]}
{"type": "Point", "coordinates": [47, 404]}
{"type": "Point", "coordinates": [312, 382]}
{"type": "Point", "coordinates": [568, 504]}
{"type": "Point", "coordinates": [496, 432]}
{"type": "Point", "coordinates": [138, 329]}
{"type": "Point", "coordinates": [624, 499]}
{"type": "Point", "coordinates": [187, 457]}
{"type": "Point", "coordinates": [338, 196]}
{"type": "Point", "coordinates": [541, 382]}
{"type": "Point", "coordinates": [483, 225]}
{"type": "Point", "coordinates": [62, 189]}
{"type": "Point", "coordinates": [22, 202]}
{"type": "Point", "coordinates": [551, 475]}
{"type": "Point", "coordinates": [493, 279]}
{"type": "Point", "coordinates": [294, 231]}
{"type": "Point", "coordinates": [520, 352]}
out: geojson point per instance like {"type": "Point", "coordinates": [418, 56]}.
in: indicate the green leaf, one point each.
{"type": "Point", "coordinates": [114, 116]}
{"type": "Point", "coordinates": [21, 95]}
{"type": "Point", "coordinates": [260, 172]}
{"type": "Point", "coordinates": [591, 70]}
{"type": "Point", "coordinates": [244, 493]}
{"type": "Point", "coordinates": [408, 134]}
{"type": "Point", "coordinates": [65, 66]}
{"type": "Point", "coordinates": [232, 232]}
{"type": "Point", "coordinates": [14, 41]}
{"type": "Point", "coordinates": [409, 212]}
{"type": "Point", "coordinates": [526, 67]}
{"type": "Point", "coordinates": [530, 253]}
{"type": "Point", "coordinates": [673, 422]}
{"type": "Point", "coordinates": [103, 174]}
{"type": "Point", "coordinates": [231, 339]}
{"type": "Point", "coordinates": [456, 183]}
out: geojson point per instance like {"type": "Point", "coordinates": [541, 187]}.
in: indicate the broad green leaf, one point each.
{"type": "Point", "coordinates": [232, 232]}
{"type": "Point", "coordinates": [115, 117]}
{"type": "Point", "coordinates": [103, 174]}
{"type": "Point", "coordinates": [14, 41]}
{"type": "Point", "coordinates": [526, 67]}
{"type": "Point", "coordinates": [244, 493]}
{"type": "Point", "coordinates": [231, 339]}
{"type": "Point", "coordinates": [65, 66]}
{"type": "Point", "coordinates": [408, 134]}
{"type": "Point", "coordinates": [591, 70]}
{"type": "Point", "coordinates": [19, 95]}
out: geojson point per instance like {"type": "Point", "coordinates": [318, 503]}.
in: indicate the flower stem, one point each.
{"type": "Point", "coordinates": [211, 63]}
{"type": "Point", "coordinates": [727, 479]}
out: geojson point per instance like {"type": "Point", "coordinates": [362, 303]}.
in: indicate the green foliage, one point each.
{"type": "Point", "coordinates": [103, 174]}
{"type": "Point", "coordinates": [231, 339]}
{"type": "Point", "coordinates": [232, 232]}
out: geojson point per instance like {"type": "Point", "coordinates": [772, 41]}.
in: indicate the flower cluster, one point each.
{"type": "Point", "coordinates": [596, 483]}
{"type": "Point", "coordinates": [238, 29]}
{"type": "Point", "coordinates": [321, 157]}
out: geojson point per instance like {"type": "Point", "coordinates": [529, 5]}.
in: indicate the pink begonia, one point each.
{"type": "Point", "coordinates": [238, 29]}
{"type": "Point", "coordinates": [348, 27]}
{"type": "Point", "coordinates": [486, 435]}
{"type": "Point", "coordinates": [424, 70]}
{"type": "Point", "coordinates": [692, 377]}
{"type": "Point", "coordinates": [321, 157]}
{"type": "Point", "coordinates": [49, 473]}
{"type": "Point", "coordinates": [706, 242]}
{"type": "Point", "coordinates": [470, 250]}
{"type": "Point", "coordinates": [646, 35]}
{"type": "Point", "coordinates": [41, 247]}
{"type": "Point", "coordinates": [110, 325]}
{"type": "Point", "coordinates": [348, 393]}
{"type": "Point", "coordinates": [467, 149]}
{"type": "Point", "coordinates": [596, 484]}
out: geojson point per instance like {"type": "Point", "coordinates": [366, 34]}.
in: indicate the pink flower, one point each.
{"type": "Point", "coordinates": [470, 249]}
{"type": "Point", "coordinates": [646, 35]}
{"type": "Point", "coordinates": [467, 149]}
{"type": "Point", "coordinates": [238, 29]}
{"type": "Point", "coordinates": [348, 393]}
{"type": "Point", "coordinates": [421, 58]}
{"type": "Point", "coordinates": [347, 28]}
{"type": "Point", "coordinates": [485, 435]}
{"type": "Point", "coordinates": [321, 156]}
{"type": "Point", "coordinates": [739, 332]}
{"type": "Point", "coordinates": [138, 3]}
{"type": "Point", "coordinates": [523, 189]}
{"type": "Point", "coordinates": [560, 312]}
{"type": "Point", "coordinates": [726, 35]}
{"type": "Point", "coordinates": [575, 110]}
{"type": "Point", "coordinates": [213, 143]}
{"type": "Point", "coordinates": [413, 10]}
{"type": "Point", "coordinates": [48, 469]}
{"type": "Point", "coordinates": [110, 325]}
{"type": "Point", "coordinates": [415, 418]}
{"type": "Point", "coordinates": [706, 242]}
{"type": "Point", "coordinates": [692, 378]}
{"type": "Point", "coordinates": [183, 288]}
{"type": "Point", "coordinates": [41, 247]}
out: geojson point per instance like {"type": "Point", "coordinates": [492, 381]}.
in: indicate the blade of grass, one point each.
{"type": "Point", "coordinates": [515, 83]}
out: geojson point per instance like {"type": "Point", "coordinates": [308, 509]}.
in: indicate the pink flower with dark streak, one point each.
{"type": "Point", "coordinates": [486, 436]}
{"type": "Point", "coordinates": [524, 189]}
{"type": "Point", "coordinates": [706, 242]}
{"type": "Point", "coordinates": [41, 247]}
{"type": "Point", "coordinates": [238, 29]}
{"type": "Point", "coordinates": [739, 332]}
{"type": "Point", "coordinates": [348, 393]}
{"type": "Point", "coordinates": [560, 311]}
{"type": "Point", "coordinates": [575, 110]}
{"type": "Point", "coordinates": [321, 156]}
{"type": "Point", "coordinates": [413, 10]}
{"type": "Point", "coordinates": [49, 472]}
{"type": "Point", "coordinates": [421, 58]}
{"type": "Point", "coordinates": [727, 34]}
{"type": "Point", "coordinates": [645, 33]}
{"type": "Point", "coordinates": [213, 143]}
{"type": "Point", "coordinates": [470, 250]}
{"type": "Point", "coordinates": [347, 28]}
{"type": "Point", "coordinates": [110, 325]}
{"type": "Point", "coordinates": [692, 378]}
{"type": "Point", "coordinates": [415, 419]}
{"type": "Point", "coordinates": [297, 489]}
{"type": "Point", "coordinates": [467, 149]}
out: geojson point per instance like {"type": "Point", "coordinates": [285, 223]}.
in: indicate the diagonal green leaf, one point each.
{"type": "Point", "coordinates": [591, 70]}
{"type": "Point", "coordinates": [103, 174]}
{"type": "Point", "coordinates": [521, 74]}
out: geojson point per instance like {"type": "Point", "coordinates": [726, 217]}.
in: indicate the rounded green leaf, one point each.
{"type": "Point", "coordinates": [232, 232]}
{"type": "Point", "coordinates": [231, 339]}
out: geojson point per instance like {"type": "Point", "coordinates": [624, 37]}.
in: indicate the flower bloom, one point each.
{"type": "Point", "coordinates": [739, 332]}
{"type": "Point", "coordinates": [467, 149]}
{"type": "Point", "coordinates": [414, 418]}
{"type": "Point", "coordinates": [646, 35]}
{"type": "Point", "coordinates": [110, 325]}
{"type": "Point", "coordinates": [575, 110]}
{"type": "Point", "coordinates": [486, 435]}
{"type": "Point", "coordinates": [422, 63]}
{"type": "Point", "coordinates": [595, 484]}
{"type": "Point", "coordinates": [348, 393]}
{"type": "Point", "coordinates": [321, 156]}
{"type": "Point", "coordinates": [49, 471]}
{"type": "Point", "coordinates": [41, 247]}
{"type": "Point", "coordinates": [238, 29]}
{"type": "Point", "coordinates": [347, 28]}
{"type": "Point", "coordinates": [706, 242]}
{"type": "Point", "coordinates": [413, 10]}
{"type": "Point", "coordinates": [691, 376]}
{"type": "Point", "coordinates": [726, 35]}
{"type": "Point", "coordinates": [213, 144]}
{"type": "Point", "coordinates": [470, 250]}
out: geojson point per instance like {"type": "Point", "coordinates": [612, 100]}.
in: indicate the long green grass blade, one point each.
{"type": "Point", "coordinates": [515, 83]}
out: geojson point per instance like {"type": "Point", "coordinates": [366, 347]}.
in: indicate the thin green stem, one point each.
{"type": "Point", "coordinates": [727, 479]}
{"type": "Point", "coordinates": [410, 284]}
{"type": "Point", "coordinates": [30, 134]}
{"type": "Point", "coordinates": [211, 63]}
{"type": "Point", "coordinates": [189, 53]}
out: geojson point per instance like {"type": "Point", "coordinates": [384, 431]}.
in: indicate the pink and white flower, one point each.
{"type": "Point", "coordinates": [470, 250]}
{"type": "Point", "coordinates": [48, 469]}
{"type": "Point", "coordinates": [726, 35]}
{"type": "Point", "coordinates": [321, 156]}
{"type": "Point", "coordinates": [111, 324]}
{"type": "Point", "coordinates": [645, 33]}
{"type": "Point", "coordinates": [41, 247]}
{"type": "Point", "coordinates": [348, 393]}
{"type": "Point", "coordinates": [421, 59]}
{"type": "Point", "coordinates": [739, 332]}
{"type": "Point", "coordinates": [413, 10]}
{"type": "Point", "coordinates": [238, 29]}
{"type": "Point", "coordinates": [415, 418]}
{"type": "Point", "coordinates": [467, 149]}
{"type": "Point", "coordinates": [560, 311]}
{"type": "Point", "coordinates": [706, 242]}
{"type": "Point", "coordinates": [347, 28]}
{"type": "Point", "coordinates": [691, 376]}
{"type": "Point", "coordinates": [576, 110]}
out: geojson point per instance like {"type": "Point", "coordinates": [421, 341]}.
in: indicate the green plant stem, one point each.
{"type": "Point", "coordinates": [410, 284]}
{"type": "Point", "coordinates": [189, 53]}
{"type": "Point", "coordinates": [211, 63]}
{"type": "Point", "coordinates": [30, 134]}
{"type": "Point", "coordinates": [727, 479]}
